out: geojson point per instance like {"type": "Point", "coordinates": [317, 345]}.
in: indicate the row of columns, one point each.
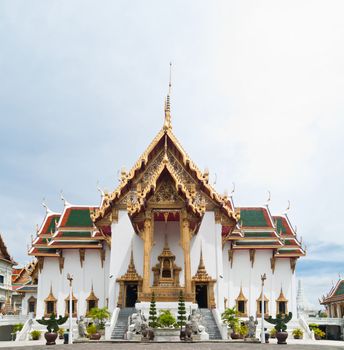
{"type": "Point", "coordinates": [336, 310]}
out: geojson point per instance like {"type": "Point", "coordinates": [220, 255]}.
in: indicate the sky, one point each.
{"type": "Point", "coordinates": [257, 98]}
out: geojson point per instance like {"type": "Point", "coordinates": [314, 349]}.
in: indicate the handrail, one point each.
{"type": "Point", "coordinates": [109, 326]}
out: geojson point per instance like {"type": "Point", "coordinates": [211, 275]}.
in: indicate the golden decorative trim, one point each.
{"type": "Point", "coordinates": [61, 262]}
{"type": "Point", "coordinates": [50, 298]}
{"type": "Point", "coordinates": [293, 264]}
{"type": "Point", "coordinates": [40, 263]}
{"type": "Point", "coordinates": [252, 256]}
{"type": "Point", "coordinates": [273, 262]}
{"type": "Point", "coordinates": [82, 256]}
{"type": "Point", "coordinates": [202, 277]}
{"type": "Point", "coordinates": [74, 303]}
{"type": "Point", "coordinates": [128, 278]}
{"type": "Point", "coordinates": [241, 297]}
{"type": "Point", "coordinates": [282, 299]}
{"type": "Point", "coordinates": [266, 310]}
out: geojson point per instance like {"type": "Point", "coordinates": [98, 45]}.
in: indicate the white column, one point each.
{"type": "Point", "coordinates": [219, 268]}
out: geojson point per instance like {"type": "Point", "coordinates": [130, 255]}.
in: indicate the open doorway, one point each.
{"type": "Point", "coordinates": [131, 295]}
{"type": "Point", "coordinates": [202, 295]}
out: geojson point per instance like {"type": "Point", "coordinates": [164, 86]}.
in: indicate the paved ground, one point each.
{"type": "Point", "coordinates": [181, 346]}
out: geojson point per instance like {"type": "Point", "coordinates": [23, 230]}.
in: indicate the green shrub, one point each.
{"type": "Point", "coordinates": [318, 333]}
{"type": "Point", "coordinates": [229, 316]}
{"type": "Point", "coordinates": [243, 330]}
{"type": "Point", "coordinates": [312, 326]}
{"type": "Point", "coordinates": [35, 335]}
{"type": "Point", "coordinates": [152, 313]}
{"type": "Point", "coordinates": [166, 319]}
{"type": "Point", "coordinates": [273, 333]}
{"type": "Point", "coordinates": [100, 314]}
{"type": "Point", "coordinates": [298, 333]}
{"type": "Point", "coordinates": [91, 329]}
{"type": "Point", "coordinates": [17, 327]}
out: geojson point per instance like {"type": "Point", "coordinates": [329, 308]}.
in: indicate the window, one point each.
{"type": "Point", "coordinates": [2, 279]}
{"type": "Point", "coordinates": [241, 304]}
{"type": "Point", "coordinates": [50, 307]}
{"type": "Point", "coordinates": [281, 304]}
{"type": "Point", "coordinates": [74, 306]}
{"type": "Point", "coordinates": [259, 306]}
{"type": "Point", "coordinates": [91, 304]}
{"type": "Point", "coordinates": [32, 305]}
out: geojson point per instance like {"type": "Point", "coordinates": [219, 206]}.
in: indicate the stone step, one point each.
{"type": "Point", "coordinates": [210, 324]}
{"type": "Point", "coordinates": [122, 323]}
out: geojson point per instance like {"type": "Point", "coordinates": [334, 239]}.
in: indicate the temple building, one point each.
{"type": "Point", "coordinates": [165, 229]}
{"type": "Point", "coordinates": [334, 300]}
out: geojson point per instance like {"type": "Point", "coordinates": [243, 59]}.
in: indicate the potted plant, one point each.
{"type": "Point", "coordinates": [92, 332]}
{"type": "Point", "coordinates": [243, 331]}
{"type": "Point", "coordinates": [235, 331]}
{"type": "Point", "coordinates": [229, 317]}
{"type": "Point", "coordinates": [166, 319]}
{"type": "Point", "coordinates": [280, 325]}
{"type": "Point", "coordinates": [61, 332]}
{"type": "Point", "coordinates": [35, 335]}
{"type": "Point", "coordinates": [273, 333]}
{"type": "Point", "coordinates": [52, 324]}
{"type": "Point", "coordinates": [99, 316]}
{"type": "Point", "coordinates": [318, 333]}
{"type": "Point", "coordinates": [298, 333]}
{"type": "Point", "coordinates": [16, 328]}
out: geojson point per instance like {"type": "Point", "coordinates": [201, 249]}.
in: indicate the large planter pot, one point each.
{"type": "Point", "coordinates": [281, 337]}
{"type": "Point", "coordinates": [50, 338]}
{"type": "Point", "coordinates": [167, 334]}
{"type": "Point", "coordinates": [317, 337]}
{"type": "Point", "coordinates": [235, 335]}
{"type": "Point", "coordinates": [95, 336]}
{"type": "Point", "coordinates": [297, 337]}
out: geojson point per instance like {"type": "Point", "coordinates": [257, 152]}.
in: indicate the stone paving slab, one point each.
{"type": "Point", "coordinates": [178, 346]}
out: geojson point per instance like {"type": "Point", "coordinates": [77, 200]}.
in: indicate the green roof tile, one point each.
{"type": "Point", "coordinates": [253, 218]}
{"type": "Point", "coordinates": [340, 289]}
{"type": "Point", "coordinates": [79, 218]}
{"type": "Point", "coordinates": [280, 226]}
{"type": "Point", "coordinates": [258, 234]}
{"type": "Point", "coordinates": [76, 234]}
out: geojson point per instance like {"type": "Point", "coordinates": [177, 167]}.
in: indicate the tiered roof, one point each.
{"type": "Point", "coordinates": [73, 229]}
{"type": "Point", "coordinates": [258, 229]}
{"type": "Point", "coordinates": [166, 160]}
{"type": "Point", "coordinates": [4, 254]}
{"type": "Point", "coordinates": [336, 293]}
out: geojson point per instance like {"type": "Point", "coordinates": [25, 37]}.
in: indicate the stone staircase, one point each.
{"type": "Point", "coordinates": [122, 323]}
{"type": "Point", "coordinates": [210, 324]}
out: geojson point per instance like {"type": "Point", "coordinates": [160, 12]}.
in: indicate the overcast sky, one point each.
{"type": "Point", "coordinates": [257, 97]}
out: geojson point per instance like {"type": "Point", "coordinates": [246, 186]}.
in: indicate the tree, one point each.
{"type": "Point", "coordinates": [181, 310]}
{"type": "Point", "coordinates": [152, 313]}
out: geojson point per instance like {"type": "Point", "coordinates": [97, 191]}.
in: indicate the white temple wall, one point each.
{"type": "Point", "coordinates": [122, 236]}
{"type": "Point", "coordinates": [172, 229]}
{"type": "Point", "coordinates": [239, 275]}
{"type": "Point", "coordinates": [285, 278]}
{"type": "Point", "coordinates": [83, 277]}
{"type": "Point", "coordinates": [262, 264]}
{"type": "Point", "coordinates": [49, 276]}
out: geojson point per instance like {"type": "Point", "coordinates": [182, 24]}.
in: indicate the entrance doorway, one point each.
{"type": "Point", "coordinates": [202, 295]}
{"type": "Point", "coordinates": [131, 295]}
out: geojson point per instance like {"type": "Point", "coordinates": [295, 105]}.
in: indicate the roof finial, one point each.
{"type": "Point", "coordinates": [48, 211]}
{"type": "Point", "coordinates": [167, 123]}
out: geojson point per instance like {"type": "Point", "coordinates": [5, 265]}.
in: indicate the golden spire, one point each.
{"type": "Point", "coordinates": [167, 123]}
{"type": "Point", "coordinates": [201, 265]}
{"type": "Point", "coordinates": [131, 267]}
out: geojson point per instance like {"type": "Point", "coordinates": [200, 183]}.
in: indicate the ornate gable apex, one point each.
{"type": "Point", "coordinates": [164, 152]}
